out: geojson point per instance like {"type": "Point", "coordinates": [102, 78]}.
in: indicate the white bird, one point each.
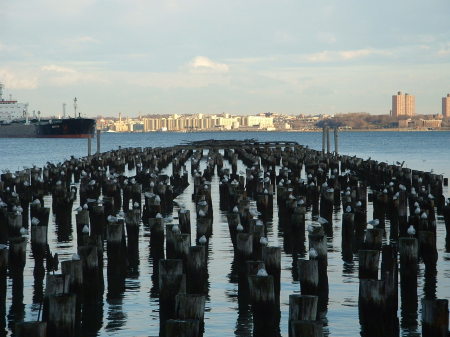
{"type": "Point", "coordinates": [36, 202]}
{"type": "Point", "coordinates": [111, 219]}
{"type": "Point", "coordinates": [347, 193]}
{"type": "Point", "coordinates": [78, 209]}
{"type": "Point", "coordinates": [424, 216]}
{"type": "Point", "coordinates": [417, 211]}
{"type": "Point", "coordinates": [136, 205]}
{"type": "Point", "coordinates": [348, 209]}
{"type": "Point", "coordinates": [92, 182]}
{"type": "Point", "coordinates": [385, 191]}
{"type": "Point", "coordinates": [35, 221]}
{"type": "Point", "coordinates": [313, 254]}
{"type": "Point", "coordinates": [23, 231]}
{"type": "Point", "coordinates": [430, 196]}
{"type": "Point", "coordinates": [201, 213]}
{"type": "Point", "coordinates": [235, 209]}
{"type": "Point", "coordinates": [175, 229]}
{"type": "Point", "coordinates": [75, 257]}
{"type": "Point", "coordinates": [85, 229]}
{"type": "Point", "coordinates": [263, 240]}
{"type": "Point", "coordinates": [374, 222]}
{"type": "Point", "coordinates": [259, 223]}
{"type": "Point", "coordinates": [202, 240]}
{"type": "Point", "coordinates": [239, 228]}
{"type": "Point", "coordinates": [158, 216]}
{"type": "Point", "coordinates": [310, 228]}
{"type": "Point", "coordinates": [85, 206]}
{"type": "Point", "coordinates": [262, 272]}
{"type": "Point", "coordinates": [411, 231]}
{"type": "Point", "coordinates": [416, 204]}
{"type": "Point", "coordinates": [322, 220]}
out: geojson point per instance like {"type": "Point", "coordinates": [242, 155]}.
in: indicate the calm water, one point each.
{"type": "Point", "coordinates": [135, 313]}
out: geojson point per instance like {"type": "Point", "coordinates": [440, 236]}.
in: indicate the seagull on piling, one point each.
{"type": "Point", "coordinates": [313, 254]}
{"type": "Point", "coordinates": [263, 241]}
{"type": "Point", "coordinates": [202, 240]}
{"type": "Point", "coordinates": [374, 222]}
{"type": "Point", "coordinates": [262, 272]}
{"type": "Point", "coordinates": [411, 231]}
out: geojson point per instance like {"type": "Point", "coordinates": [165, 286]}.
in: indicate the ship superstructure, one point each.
{"type": "Point", "coordinates": [11, 110]}
{"type": "Point", "coordinates": [15, 122]}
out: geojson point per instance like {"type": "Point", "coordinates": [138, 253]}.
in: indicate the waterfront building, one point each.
{"type": "Point", "coordinates": [403, 105]}
{"type": "Point", "coordinates": [446, 106]}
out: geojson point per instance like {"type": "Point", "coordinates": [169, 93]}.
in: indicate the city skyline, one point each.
{"type": "Point", "coordinates": [211, 57]}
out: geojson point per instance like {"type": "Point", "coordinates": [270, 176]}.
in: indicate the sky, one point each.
{"type": "Point", "coordinates": [208, 56]}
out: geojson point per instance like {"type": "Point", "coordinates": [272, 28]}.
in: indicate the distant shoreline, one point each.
{"type": "Point", "coordinates": [291, 131]}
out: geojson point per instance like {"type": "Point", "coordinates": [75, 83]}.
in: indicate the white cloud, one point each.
{"type": "Point", "coordinates": [345, 55]}
{"type": "Point", "coordinates": [18, 79]}
{"type": "Point", "coordinates": [204, 64]}
{"type": "Point", "coordinates": [62, 76]}
{"type": "Point", "coordinates": [58, 69]}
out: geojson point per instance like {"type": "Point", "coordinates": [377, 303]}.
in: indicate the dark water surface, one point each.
{"type": "Point", "coordinates": [135, 312]}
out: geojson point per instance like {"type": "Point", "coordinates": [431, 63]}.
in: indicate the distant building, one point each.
{"type": "Point", "coordinates": [419, 123]}
{"type": "Point", "coordinates": [403, 105]}
{"type": "Point", "coordinates": [446, 106]}
{"type": "Point", "coordinates": [257, 122]}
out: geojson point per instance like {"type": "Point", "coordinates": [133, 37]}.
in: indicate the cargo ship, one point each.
{"type": "Point", "coordinates": [16, 123]}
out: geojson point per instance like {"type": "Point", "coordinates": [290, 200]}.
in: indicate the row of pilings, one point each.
{"type": "Point", "coordinates": [114, 205]}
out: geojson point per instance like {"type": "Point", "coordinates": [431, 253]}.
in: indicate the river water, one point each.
{"type": "Point", "coordinates": [135, 312]}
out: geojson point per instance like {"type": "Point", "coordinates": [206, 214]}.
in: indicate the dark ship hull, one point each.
{"type": "Point", "coordinates": [49, 128]}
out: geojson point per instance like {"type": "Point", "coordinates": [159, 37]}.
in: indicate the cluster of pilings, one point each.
{"type": "Point", "coordinates": [119, 192]}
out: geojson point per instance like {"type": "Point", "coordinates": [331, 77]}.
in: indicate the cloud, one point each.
{"type": "Point", "coordinates": [204, 64]}
{"type": "Point", "coordinates": [13, 79]}
{"type": "Point", "coordinates": [345, 55]}
{"type": "Point", "coordinates": [62, 76]}
{"type": "Point", "coordinates": [58, 69]}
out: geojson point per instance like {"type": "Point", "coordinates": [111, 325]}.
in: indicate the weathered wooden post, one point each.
{"type": "Point", "coordinates": [89, 145]}
{"type": "Point", "coordinates": [31, 329]}
{"type": "Point", "coordinates": [409, 251]}
{"type": "Point", "coordinates": [308, 274]}
{"type": "Point", "coordinates": [303, 308]}
{"type": "Point", "coordinates": [4, 253]}
{"type": "Point", "coordinates": [262, 297]}
{"type": "Point", "coordinates": [172, 281]}
{"type": "Point", "coordinates": [368, 264]}
{"type": "Point", "coordinates": [336, 140]}
{"type": "Point", "coordinates": [61, 315]}
{"type": "Point", "coordinates": [98, 140]}
{"type": "Point", "coordinates": [191, 307]}
{"type": "Point", "coordinates": [306, 329]}
{"type": "Point", "coordinates": [434, 317]}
